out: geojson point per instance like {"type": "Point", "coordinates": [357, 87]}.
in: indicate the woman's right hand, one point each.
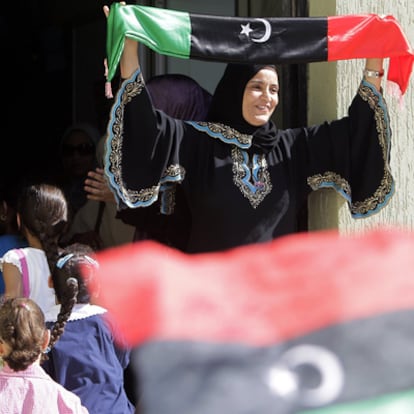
{"type": "Point", "coordinates": [97, 188]}
{"type": "Point", "coordinates": [106, 11]}
{"type": "Point", "coordinates": [129, 60]}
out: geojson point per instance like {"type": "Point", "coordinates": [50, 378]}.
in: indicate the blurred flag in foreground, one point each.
{"type": "Point", "coordinates": [313, 323]}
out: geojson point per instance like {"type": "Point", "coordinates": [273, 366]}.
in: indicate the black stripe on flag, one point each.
{"type": "Point", "coordinates": [262, 40]}
{"type": "Point", "coordinates": [350, 363]}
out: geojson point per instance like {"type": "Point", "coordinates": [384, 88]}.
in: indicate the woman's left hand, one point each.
{"type": "Point", "coordinates": [97, 187]}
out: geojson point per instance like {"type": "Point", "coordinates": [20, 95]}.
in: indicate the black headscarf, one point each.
{"type": "Point", "coordinates": [179, 96]}
{"type": "Point", "coordinates": [227, 101]}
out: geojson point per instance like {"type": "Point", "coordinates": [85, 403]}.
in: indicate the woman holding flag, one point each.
{"type": "Point", "coordinates": [244, 179]}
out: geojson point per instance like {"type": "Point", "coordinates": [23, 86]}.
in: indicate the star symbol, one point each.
{"type": "Point", "coordinates": [246, 29]}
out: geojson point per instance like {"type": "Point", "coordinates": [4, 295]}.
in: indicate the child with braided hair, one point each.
{"type": "Point", "coordinates": [84, 357]}
{"type": "Point", "coordinates": [24, 385]}
{"type": "Point", "coordinates": [42, 216]}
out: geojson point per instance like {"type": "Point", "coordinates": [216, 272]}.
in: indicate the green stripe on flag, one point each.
{"type": "Point", "coordinates": [167, 32]}
{"type": "Point", "coordinates": [401, 403]}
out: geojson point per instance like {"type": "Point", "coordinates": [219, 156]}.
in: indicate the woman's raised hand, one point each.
{"type": "Point", "coordinates": [106, 11]}
{"type": "Point", "coordinates": [373, 65]}
{"type": "Point", "coordinates": [129, 61]}
{"type": "Point", "coordinates": [106, 8]}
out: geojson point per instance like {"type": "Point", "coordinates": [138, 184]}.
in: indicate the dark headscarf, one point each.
{"type": "Point", "coordinates": [227, 101]}
{"type": "Point", "coordinates": [179, 96]}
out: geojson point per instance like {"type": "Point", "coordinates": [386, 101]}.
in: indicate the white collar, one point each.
{"type": "Point", "coordinates": [79, 311]}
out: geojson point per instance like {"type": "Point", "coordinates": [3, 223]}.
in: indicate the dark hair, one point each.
{"type": "Point", "coordinates": [9, 192]}
{"type": "Point", "coordinates": [70, 275]}
{"type": "Point", "coordinates": [43, 212]}
{"type": "Point", "coordinates": [66, 305]}
{"type": "Point", "coordinates": [22, 327]}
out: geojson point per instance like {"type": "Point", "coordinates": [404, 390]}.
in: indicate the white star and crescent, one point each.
{"type": "Point", "coordinates": [246, 30]}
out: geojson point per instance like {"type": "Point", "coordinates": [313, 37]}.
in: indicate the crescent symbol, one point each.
{"type": "Point", "coordinates": [330, 370]}
{"type": "Point", "coordinates": [268, 32]}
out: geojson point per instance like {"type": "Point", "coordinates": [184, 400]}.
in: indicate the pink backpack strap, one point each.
{"type": "Point", "coordinates": [25, 273]}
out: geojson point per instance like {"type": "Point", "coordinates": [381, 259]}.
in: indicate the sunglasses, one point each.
{"type": "Point", "coordinates": [82, 149]}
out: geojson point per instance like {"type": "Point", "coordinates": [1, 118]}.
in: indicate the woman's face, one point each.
{"type": "Point", "coordinates": [261, 96]}
{"type": "Point", "coordinates": [78, 154]}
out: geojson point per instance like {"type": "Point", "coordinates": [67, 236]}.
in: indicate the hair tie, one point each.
{"type": "Point", "coordinates": [24, 305]}
{"type": "Point", "coordinates": [71, 281]}
{"type": "Point", "coordinates": [63, 260]}
{"type": "Point", "coordinates": [91, 261]}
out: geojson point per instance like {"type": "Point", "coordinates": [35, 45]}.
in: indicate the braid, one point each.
{"type": "Point", "coordinates": [52, 251]}
{"type": "Point", "coordinates": [43, 212]}
{"type": "Point", "coordinates": [68, 283]}
{"type": "Point", "coordinates": [67, 304]}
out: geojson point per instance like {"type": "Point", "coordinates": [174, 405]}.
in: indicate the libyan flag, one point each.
{"type": "Point", "coordinates": [261, 40]}
{"type": "Point", "coordinates": [312, 323]}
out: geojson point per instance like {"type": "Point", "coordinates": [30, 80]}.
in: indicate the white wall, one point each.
{"type": "Point", "coordinates": [343, 77]}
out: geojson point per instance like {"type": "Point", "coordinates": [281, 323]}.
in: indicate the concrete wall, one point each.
{"type": "Point", "coordinates": [331, 89]}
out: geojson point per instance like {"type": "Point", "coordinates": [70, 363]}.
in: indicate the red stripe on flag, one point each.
{"type": "Point", "coordinates": [372, 36]}
{"type": "Point", "coordinates": [258, 294]}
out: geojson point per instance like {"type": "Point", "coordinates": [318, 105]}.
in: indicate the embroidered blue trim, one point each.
{"type": "Point", "coordinates": [227, 140]}
{"type": "Point", "coordinates": [256, 185]}
{"type": "Point", "coordinates": [330, 184]}
{"type": "Point", "coordinates": [379, 206]}
{"type": "Point", "coordinates": [382, 104]}
{"type": "Point", "coordinates": [112, 184]}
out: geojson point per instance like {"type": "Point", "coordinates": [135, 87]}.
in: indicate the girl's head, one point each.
{"type": "Point", "coordinates": [42, 211]}
{"type": "Point", "coordinates": [77, 262]}
{"type": "Point", "coordinates": [23, 334]}
{"type": "Point", "coordinates": [71, 273]}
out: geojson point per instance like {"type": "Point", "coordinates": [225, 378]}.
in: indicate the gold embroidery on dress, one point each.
{"type": "Point", "coordinates": [228, 133]}
{"type": "Point", "coordinates": [168, 197]}
{"type": "Point", "coordinates": [317, 181]}
{"type": "Point", "coordinates": [167, 206]}
{"type": "Point", "coordinates": [175, 170]}
{"type": "Point", "coordinates": [131, 90]}
{"type": "Point", "coordinates": [255, 190]}
{"type": "Point", "coordinates": [381, 119]}
{"type": "Point", "coordinates": [360, 208]}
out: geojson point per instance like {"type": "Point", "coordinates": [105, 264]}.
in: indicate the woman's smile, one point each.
{"type": "Point", "coordinates": [261, 96]}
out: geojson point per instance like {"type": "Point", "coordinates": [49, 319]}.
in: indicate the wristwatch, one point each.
{"type": "Point", "coordinates": [373, 73]}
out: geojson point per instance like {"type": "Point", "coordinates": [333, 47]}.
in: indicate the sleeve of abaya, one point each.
{"type": "Point", "coordinates": [352, 155]}
{"type": "Point", "coordinates": [142, 149]}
